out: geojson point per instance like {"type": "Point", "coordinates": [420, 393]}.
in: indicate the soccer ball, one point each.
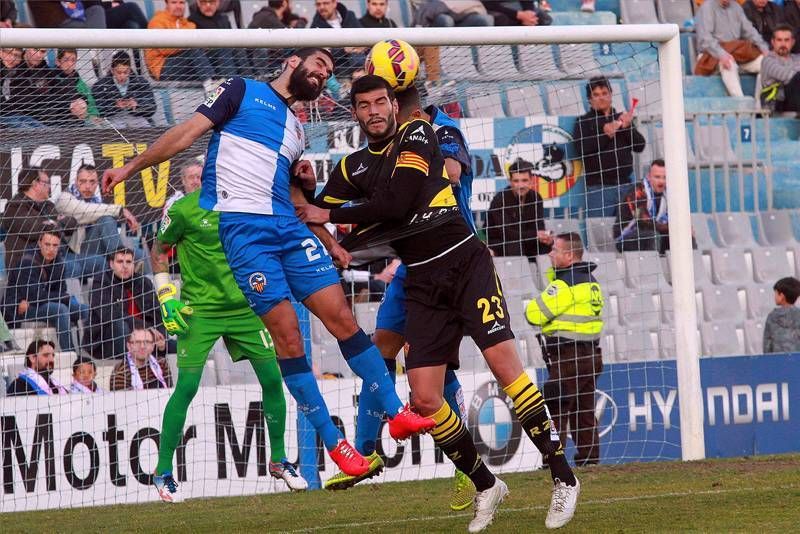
{"type": "Point", "coordinates": [395, 61]}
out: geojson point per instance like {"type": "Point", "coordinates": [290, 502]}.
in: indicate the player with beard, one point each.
{"type": "Point", "coordinates": [451, 290]}
{"type": "Point", "coordinates": [37, 376]}
{"type": "Point", "coordinates": [345, 184]}
{"type": "Point", "coordinates": [253, 155]}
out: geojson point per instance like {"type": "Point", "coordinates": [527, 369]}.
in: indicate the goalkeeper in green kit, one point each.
{"type": "Point", "coordinates": [211, 306]}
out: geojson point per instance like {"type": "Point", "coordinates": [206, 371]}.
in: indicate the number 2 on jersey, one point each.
{"type": "Point", "coordinates": [311, 247]}
{"type": "Point", "coordinates": [485, 306]}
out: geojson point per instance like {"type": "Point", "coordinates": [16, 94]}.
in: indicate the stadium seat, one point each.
{"type": "Point", "coordinates": [530, 352]}
{"type": "Point", "coordinates": [562, 226]}
{"type": "Point", "coordinates": [618, 95]}
{"type": "Point", "coordinates": [776, 227]}
{"type": "Point", "coordinates": [515, 275]}
{"type": "Point", "coordinates": [754, 336]}
{"type": "Point", "coordinates": [674, 12]}
{"type": "Point", "coordinates": [713, 144]}
{"type": "Point", "coordinates": [638, 309]}
{"type": "Point", "coordinates": [356, 6]}
{"type": "Point", "coordinates": [600, 234]}
{"type": "Point", "coordinates": [539, 268]}
{"type": "Point", "coordinates": [702, 232]}
{"type": "Point", "coordinates": [643, 270]}
{"type": "Point", "coordinates": [490, 57]}
{"type": "Point", "coordinates": [536, 62]}
{"type": "Point", "coordinates": [483, 104]}
{"type": "Point", "coordinates": [327, 358]}
{"type": "Point", "coordinates": [770, 264]}
{"type": "Point", "coordinates": [721, 339]}
{"type": "Point", "coordinates": [734, 229]}
{"type": "Point", "coordinates": [516, 308]}
{"type": "Point", "coordinates": [666, 344]}
{"type": "Point", "coordinates": [607, 348]}
{"type": "Point", "coordinates": [608, 272]}
{"type": "Point", "coordinates": [701, 277]}
{"type": "Point", "coordinates": [578, 59]}
{"type": "Point", "coordinates": [634, 345]}
{"type": "Point", "coordinates": [470, 356]}
{"type": "Point", "coordinates": [638, 12]}
{"type": "Point", "coordinates": [163, 115]}
{"type": "Point", "coordinates": [457, 64]}
{"type": "Point", "coordinates": [525, 101]}
{"type": "Point", "coordinates": [721, 303]}
{"type": "Point", "coordinates": [565, 98]}
{"type": "Point", "coordinates": [249, 9]}
{"type": "Point", "coordinates": [30, 331]}
{"type": "Point", "coordinates": [366, 314]}
{"type": "Point", "coordinates": [728, 266]}
{"type": "Point", "coordinates": [760, 301]}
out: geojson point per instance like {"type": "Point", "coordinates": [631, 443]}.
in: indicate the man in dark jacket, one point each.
{"type": "Point", "coordinates": [331, 14]}
{"type": "Point", "coordinates": [226, 62]}
{"type": "Point", "coordinates": [118, 300]}
{"type": "Point", "coordinates": [10, 60]}
{"type": "Point", "coordinates": [791, 15]}
{"type": "Point", "coordinates": [515, 222]}
{"type": "Point", "coordinates": [270, 17]}
{"type": "Point", "coordinates": [124, 99]}
{"type": "Point", "coordinates": [606, 140]}
{"type": "Point", "coordinates": [764, 15]}
{"type": "Point", "coordinates": [37, 290]}
{"type": "Point", "coordinates": [28, 212]}
{"type": "Point", "coordinates": [523, 13]}
{"type": "Point", "coordinates": [376, 15]}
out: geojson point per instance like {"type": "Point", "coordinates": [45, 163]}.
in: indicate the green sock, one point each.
{"type": "Point", "coordinates": [269, 376]}
{"type": "Point", "coordinates": [175, 416]}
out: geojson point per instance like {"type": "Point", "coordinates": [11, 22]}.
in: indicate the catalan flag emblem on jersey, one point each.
{"type": "Point", "coordinates": [257, 281]}
{"type": "Point", "coordinates": [412, 160]}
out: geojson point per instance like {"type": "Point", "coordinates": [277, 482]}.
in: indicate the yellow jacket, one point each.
{"type": "Point", "coordinates": [571, 306]}
{"type": "Point", "coordinates": [156, 57]}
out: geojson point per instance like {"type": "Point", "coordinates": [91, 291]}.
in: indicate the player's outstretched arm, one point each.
{"type": "Point", "coordinates": [172, 309]}
{"type": "Point", "coordinates": [173, 141]}
{"type": "Point", "coordinates": [337, 252]}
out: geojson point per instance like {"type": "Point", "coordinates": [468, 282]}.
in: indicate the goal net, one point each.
{"type": "Point", "coordinates": [76, 104]}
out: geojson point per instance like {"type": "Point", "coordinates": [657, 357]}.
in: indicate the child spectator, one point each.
{"type": "Point", "coordinates": [73, 88]}
{"type": "Point", "coordinates": [124, 99]}
{"type": "Point", "coordinates": [84, 372]}
{"type": "Point", "coordinates": [782, 329]}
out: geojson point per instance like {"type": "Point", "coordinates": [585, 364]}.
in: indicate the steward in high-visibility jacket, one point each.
{"type": "Point", "coordinates": [569, 312]}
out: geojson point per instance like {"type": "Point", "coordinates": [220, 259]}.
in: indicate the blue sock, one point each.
{"type": "Point", "coordinates": [454, 395]}
{"type": "Point", "coordinates": [366, 361]}
{"type": "Point", "coordinates": [370, 415]}
{"type": "Point", "coordinates": [303, 387]}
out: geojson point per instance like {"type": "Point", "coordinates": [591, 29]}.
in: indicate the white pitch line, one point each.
{"type": "Point", "coordinates": [501, 511]}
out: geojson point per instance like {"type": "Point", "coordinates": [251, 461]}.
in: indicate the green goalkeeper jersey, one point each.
{"type": "Point", "coordinates": [207, 284]}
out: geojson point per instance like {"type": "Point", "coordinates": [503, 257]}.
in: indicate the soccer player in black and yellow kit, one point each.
{"type": "Point", "coordinates": [451, 290]}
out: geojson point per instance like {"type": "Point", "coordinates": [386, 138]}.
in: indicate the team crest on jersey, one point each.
{"type": "Point", "coordinates": [257, 281]}
{"type": "Point", "coordinates": [212, 97]}
{"type": "Point", "coordinates": [165, 222]}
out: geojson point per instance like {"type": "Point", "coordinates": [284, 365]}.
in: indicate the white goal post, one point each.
{"type": "Point", "coordinates": [675, 138]}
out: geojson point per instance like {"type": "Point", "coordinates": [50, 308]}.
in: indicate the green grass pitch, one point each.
{"type": "Point", "coordinates": [740, 495]}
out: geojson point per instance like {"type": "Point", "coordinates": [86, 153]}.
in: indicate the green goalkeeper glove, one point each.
{"type": "Point", "coordinates": [173, 310]}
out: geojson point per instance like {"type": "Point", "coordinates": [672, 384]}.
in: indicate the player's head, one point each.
{"type": "Point", "coordinates": [520, 177]}
{"type": "Point", "coordinates": [782, 39]}
{"type": "Point", "coordinates": [141, 344]}
{"type": "Point", "coordinates": [657, 176]}
{"type": "Point", "coordinates": [598, 91]}
{"type": "Point", "coordinates": [84, 371]}
{"type": "Point", "coordinates": [121, 263]}
{"type": "Point", "coordinates": [409, 104]}
{"type": "Point", "coordinates": [41, 356]}
{"type": "Point", "coordinates": [787, 290]}
{"type": "Point", "coordinates": [191, 176]}
{"type": "Point", "coordinates": [374, 106]}
{"type": "Point", "coordinates": [567, 249]}
{"type": "Point", "coordinates": [308, 70]}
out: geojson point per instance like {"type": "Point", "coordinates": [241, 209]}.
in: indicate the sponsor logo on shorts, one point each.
{"type": "Point", "coordinates": [496, 327]}
{"type": "Point", "coordinates": [257, 281]}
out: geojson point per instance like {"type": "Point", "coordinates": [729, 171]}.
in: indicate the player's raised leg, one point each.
{"type": "Point", "coordinates": [330, 305]}
{"type": "Point", "coordinates": [455, 440]}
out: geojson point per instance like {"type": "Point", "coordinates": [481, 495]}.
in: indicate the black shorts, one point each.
{"type": "Point", "coordinates": [450, 297]}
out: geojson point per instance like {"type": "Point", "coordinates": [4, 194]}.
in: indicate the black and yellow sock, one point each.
{"type": "Point", "coordinates": [454, 439]}
{"type": "Point", "coordinates": [532, 415]}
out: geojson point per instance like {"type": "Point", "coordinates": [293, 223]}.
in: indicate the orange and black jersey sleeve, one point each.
{"type": "Point", "coordinates": [417, 155]}
{"type": "Point", "coordinates": [338, 189]}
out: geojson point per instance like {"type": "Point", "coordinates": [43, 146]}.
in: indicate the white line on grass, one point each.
{"type": "Point", "coordinates": [501, 511]}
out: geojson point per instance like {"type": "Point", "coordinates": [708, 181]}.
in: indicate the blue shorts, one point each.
{"type": "Point", "coordinates": [392, 312]}
{"type": "Point", "coordinates": [274, 258]}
